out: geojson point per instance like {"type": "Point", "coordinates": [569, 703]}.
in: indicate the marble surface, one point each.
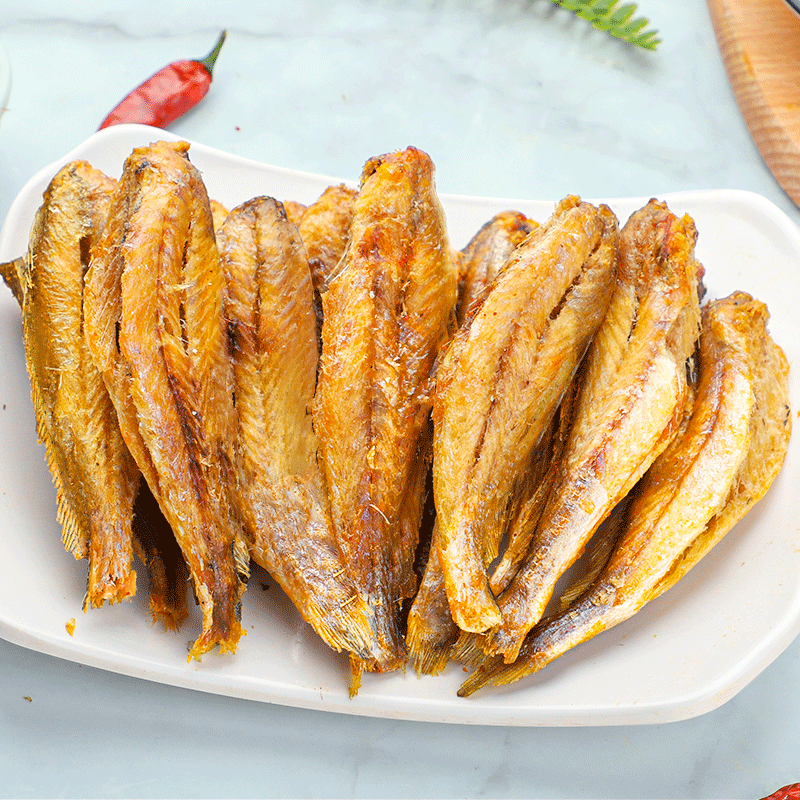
{"type": "Point", "coordinates": [512, 98]}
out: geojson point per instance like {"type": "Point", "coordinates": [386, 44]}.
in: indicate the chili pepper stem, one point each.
{"type": "Point", "coordinates": [209, 61]}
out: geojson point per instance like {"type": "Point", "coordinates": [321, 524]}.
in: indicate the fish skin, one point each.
{"type": "Point", "coordinates": [487, 253]}
{"type": "Point", "coordinates": [647, 337]}
{"type": "Point", "coordinates": [770, 429]}
{"type": "Point", "coordinates": [10, 273]}
{"type": "Point", "coordinates": [157, 332]}
{"type": "Point", "coordinates": [526, 508]}
{"type": "Point", "coordinates": [386, 315]}
{"type": "Point", "coordinates": [325, 228]}
{"type": "Point", "coordinates": [95, 476]}
{"type": "Point", "coordinates": [501, 382]}
{"type": "Point", "coordinates": [433, 637]}
{"type": "Point", "coordinates": [431, 630]}
{"type": "Point", "coordinates": [218, 213]}
{"type": "Point", "coordinates": [736, 436]}
{"type": "Point", "coordinates": [273, 341]}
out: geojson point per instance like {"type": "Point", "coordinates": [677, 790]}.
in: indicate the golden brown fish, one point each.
{"type": "Point", "coordinates": [294, 211]}
{"type": "Point", "coordinates": [433, 636]}
{"type": "Point", "coordinates": [95, 476]}
{"type": "Point", "coordinates": [770, 427]}
{"type": "Point", "coordinates": [155, 325]}
{"type": "Point", "coordinates": [387, 313]}
{"type": "Point", "coordinates": [218, 213]}
{"type": "Point", "coordinates": [501, 382]}
{"type": "Point", "coordinates": [630, 406]}
{"type": "Point", "coordinates": [431, 630]}
{"type": "Point", "coordinates": [487, 253]}
{"type": "Point", "coordinates": [724, 461]}
{"type": "Point", "coordinates": [10, 273]}
{"type": "Point", "coordinates": [324, 228]}
{"type": "Point", "coordinates": [272, 333]}
{"type": "Point", "coordinates": [153, 541]}
{"type": "Point", "coordinates": [528, 505]}
{"type": "Point", "coordinates": [155, 545]}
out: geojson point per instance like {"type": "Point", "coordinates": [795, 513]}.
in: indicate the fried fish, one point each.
{"type": "Point", "coordinates": [500, 384]}
{"type": "Point", "coordinates": [273, 342]}
{"type": "Point", "coordinates": [324, 228]}
{"type": "Point", "coordinates": [433, 636]}
{"type": "Point", "coordinates": [95, 476]}
{"type": "Point", "coordinates": [487, 253]}
{"type": "Point", "coordinates": [630, 406]}
{"type": "Point", "coordinates": [386, 315]}
{"type": "Point", "coordinates": [724, 461]}
{"type": "Point", "coordinates": [155, 325]}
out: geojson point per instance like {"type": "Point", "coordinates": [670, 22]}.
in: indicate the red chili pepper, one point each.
{"type": "Point", "coordinates": [790, 792]}
{"type": "Point", "coordinates": [172, 91]}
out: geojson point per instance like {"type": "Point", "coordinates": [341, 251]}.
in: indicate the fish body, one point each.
{"type": "Point", "coordinates": [156, 546]}
{"type": "Point", "coordinates": [272, 332]}
{"type": "Point", "coordinates": [431, 630]}
{"type": "Point", "coordinates": [386, 315]}
{"type": "Point", "coordinates": [487, 253]}
{"type": "Point", "coordinates": [294, 210]}
{"type": "Point", "coordinates": [325, 228]}
{"type": "Point", "coordinates": [500, 384]}
{"type": "Point", "coordinates": [95, 476]}
{"type": "Point", "coordinates": [722, 462]}
{"type": "Point", "coordinates": [630, 406]}
{"type": "Point", "coordinates": [433, 636]}
{"type": "Point", "coordinates": [218, 213]}
{"type": "Point", "coordinates": [156, 329]}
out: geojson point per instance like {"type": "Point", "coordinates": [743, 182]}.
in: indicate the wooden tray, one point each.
{"type": "Point", "coordinates": [760, 45]}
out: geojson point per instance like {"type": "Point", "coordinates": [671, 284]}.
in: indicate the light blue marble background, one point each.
{"type": "Point", "coordinates": [512, 98]}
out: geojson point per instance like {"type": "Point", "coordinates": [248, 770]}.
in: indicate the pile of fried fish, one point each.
{"type": "Point", "coordinates": [297, 386]}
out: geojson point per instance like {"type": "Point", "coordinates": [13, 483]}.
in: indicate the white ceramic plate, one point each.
{"type": "Point", "coordinates": [684, 654]}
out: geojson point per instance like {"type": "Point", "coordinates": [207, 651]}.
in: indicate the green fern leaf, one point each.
{"type": "Point", "coordinates": [616, 19]}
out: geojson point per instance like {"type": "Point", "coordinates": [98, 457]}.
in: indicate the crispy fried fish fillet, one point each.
{"type": "Point", "coordinates": [432, 635]}
{"type": "Point", "coordinates": [770, 426]}
{"type": "Point", "coordinates": [431, 630]}
{"type": "Point", "coordinates": [501, 382]}
{"type": "Point", "coordinates": [272, 333]}
{"type": "Point", "coordinates": [530, 500]}
{"type": "Point", "coordinates": [730, 452]}
{"type": "Point", "coordinates": [387, 313]}
{"type": "Point", "coordinates": [155, 325]}
{"type": "Point", "coordinates": [631, 404]}
{"type": "Point", "coordinates": [95, 476]}
{"type": "Point", "coordinates": [324, 229]}
{"type": "Point", "coordinates": [487, 253]}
